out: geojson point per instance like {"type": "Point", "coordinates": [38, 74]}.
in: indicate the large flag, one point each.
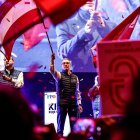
{"type": "Point", "coordinates": [120, 32]}
{"type": "Point", "coordinates": [16, 17]}
{"type": "Point", "coordinates": [35, 34]}
{"type": "Point", "coordinates": [125, 28]}
{"type": "Point", "coordinates": [59, 10]}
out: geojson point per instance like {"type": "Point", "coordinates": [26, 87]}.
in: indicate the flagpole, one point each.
{"type": "Point", "coordinates": [3, 53]}
{"type": "Point", "coordinates": [42, 20]}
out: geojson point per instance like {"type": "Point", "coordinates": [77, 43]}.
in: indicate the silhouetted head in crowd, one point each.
{"type": "Point", "coordinates": [132, 115]}
{"type": "Point", "coordinates": [104, 127]}
{"type": "Point", "coordinates": [16, 118]}
{"type": "Point", "coordinates": [46, 132]}
{"type": "Point", "coordinates": [76, 136]}
{"type": "Point", "coordinates": [18, 121]}
{"type": "Point", "coordinates": [130, 126]}
{"type": "Point", "coordinates": [133, 106]}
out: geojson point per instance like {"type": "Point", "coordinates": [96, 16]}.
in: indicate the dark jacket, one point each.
{"type": "Point", "coordinates": [66, 89]}
{"type": "Point", "coordinates": [14, 74]}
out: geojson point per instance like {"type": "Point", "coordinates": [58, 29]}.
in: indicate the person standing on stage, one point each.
{"type": "Point", "coordinates": [10, 76]}
{"type": "Point", "coordinates": [77, 35]}
{"type": "Point", "coordinates": [68, 94]}
{"type": "Point", "coordinates": [94, 94]}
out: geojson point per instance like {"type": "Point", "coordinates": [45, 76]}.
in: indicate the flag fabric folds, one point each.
{"type": "Point", "coordinates": [125, 28]}
{"type": "Point", "coordinates": [59, 10]}
{"type": "Point", "coordinates": [120, 32]}
{"type": "Point", "coordinates": [16, 17]}
{"type": "Point", "coordinates": [35, 34]}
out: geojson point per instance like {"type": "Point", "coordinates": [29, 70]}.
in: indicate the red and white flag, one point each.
{"type": "Point", "coordinates": [35, 34]}
{"type": "Point", "coordinates": [16, 17]}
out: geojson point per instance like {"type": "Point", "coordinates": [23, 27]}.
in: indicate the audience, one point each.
{"type": "Point", "coordinates": [16, 118]}
{"type": "Point", "coordinates": [19, 122]}
{"type": "Point", "coordinates": [129, 128]}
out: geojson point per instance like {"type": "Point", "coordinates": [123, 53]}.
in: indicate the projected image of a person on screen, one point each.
{"type": "Point", "coordinates": [76, 36]}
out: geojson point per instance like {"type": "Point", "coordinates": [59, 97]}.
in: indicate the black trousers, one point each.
{"type": "Point", "coordinates": [62, 111]}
